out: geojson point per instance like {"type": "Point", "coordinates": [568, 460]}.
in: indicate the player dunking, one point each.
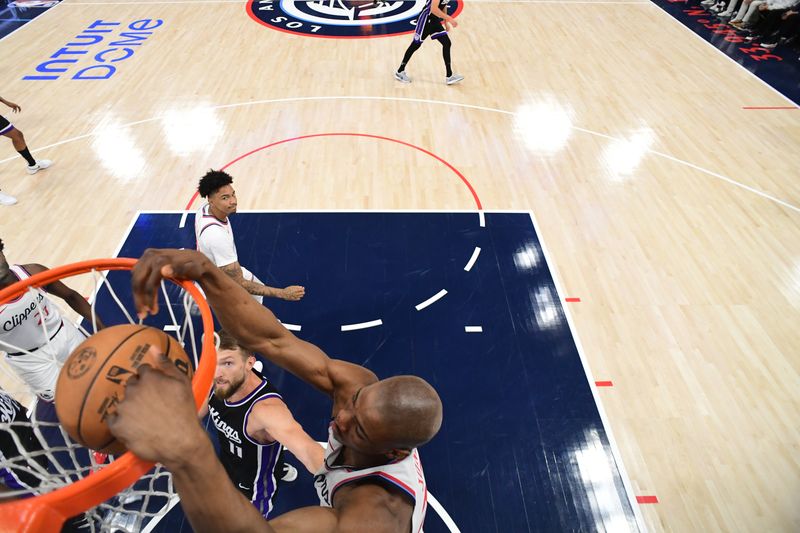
{"type": "Point", "coordinates": [372, 478]}
{"type": "Point", "coordinates": [433, 22]}
{"type": "Point", "coordinates": [214, 235]}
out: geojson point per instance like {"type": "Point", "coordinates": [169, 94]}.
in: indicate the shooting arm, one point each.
{"type": "Point", "coordinates": [251, 323]}
{"type": "Point", "coordinates": [208, 497]}
{"type": "Point", "coordinates": [157, 421]}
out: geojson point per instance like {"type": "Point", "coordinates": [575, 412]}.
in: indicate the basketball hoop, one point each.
{"type": "Point", "coordinates": [65, 489]}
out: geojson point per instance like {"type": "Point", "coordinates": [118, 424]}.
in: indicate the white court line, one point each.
{"type": "Point", "coordinates": [29, 22]}
{"type": "Point", "coordinates": [362, 325]}
{"type": "Point", "coordinates": [473, 329]}
{"type": "Point", "coordinates": [173, 501]}
{"type": "Point", "coordinates": [584, 362]}
{"type": "Point", "coordinates": [448, 521]}
{"type": "Point", "coordinates": [432, 299]}
{"type": "Point", "coordinates": [292, 327]}
{"type": "Point", "coordinates": [475, 253]}
{"type": "Point", "coordinates": [423, 101]}
{"type": "Point", "coordinates": [482, 219]}
{"type": "Point", "coordinates": [126, 234]}
{"type": "Point", "coordinates": [729, 58]}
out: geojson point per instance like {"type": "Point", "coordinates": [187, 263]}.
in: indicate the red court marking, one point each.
{"type": "Point", "coordinates": [770, 107]}
{"type": "Point", "coordinates": [572, 299]}
{"type": "Point", "coordinates": [276, 143]}
{"type": "Point", "coordinates": [603, 384]}
{"type": "Point", "coordinates": [646, 499]}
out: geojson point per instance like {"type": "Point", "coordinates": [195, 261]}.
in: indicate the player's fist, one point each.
{"type": "Point", "coordinates": [292, 293]}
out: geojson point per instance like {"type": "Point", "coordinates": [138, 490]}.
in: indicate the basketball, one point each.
{"type": "Point", "coordinates": [93, 378]}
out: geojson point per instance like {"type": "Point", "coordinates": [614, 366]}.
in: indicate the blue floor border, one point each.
{"type": "Point", "coordinates": [13, 17]}
{"type": "Point", "coordinates": [779, 68]}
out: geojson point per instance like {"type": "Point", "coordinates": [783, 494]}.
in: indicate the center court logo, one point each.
{"type": "Point", "coordinates": [342, 19]}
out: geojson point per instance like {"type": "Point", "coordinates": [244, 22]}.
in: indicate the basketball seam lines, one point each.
{"type": "Point", "coordinates": [91, 384]}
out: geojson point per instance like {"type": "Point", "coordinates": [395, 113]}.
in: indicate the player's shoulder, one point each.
{"type": "Point", "coordinates": [346, 375]}
{"type": "Point", "coordinates": [32, 268]}
{"type": "Point", "coordinates": [213, 229]}
{"type": "Point", "coordinates": [268, 401]}
{"type": "Point", "coordinates": [369, 502]}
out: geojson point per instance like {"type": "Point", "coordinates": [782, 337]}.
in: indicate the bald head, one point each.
{"type": "Point", "coordinates": [410, 411]}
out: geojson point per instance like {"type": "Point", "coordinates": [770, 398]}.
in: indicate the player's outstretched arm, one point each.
{"type": "Point", "coordinates": [291, 293]}
{"type": "Point", "coordinates": [157, 422]}
{"type": "Point", "coordinates": [251, 323]}
{"type": "Point", "coordinates": [77, 302]}
{"type": "Point", "coordinates": [274, 417]}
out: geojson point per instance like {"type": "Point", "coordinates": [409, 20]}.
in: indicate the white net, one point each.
{"type": "Point", "coordinates": [36, 454]}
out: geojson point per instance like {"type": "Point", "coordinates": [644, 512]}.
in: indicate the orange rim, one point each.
{"type": "Point", "coordinates": [49, 511]}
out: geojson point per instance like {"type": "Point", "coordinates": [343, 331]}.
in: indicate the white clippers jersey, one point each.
{"type": "Point", "coordinates": [214, 237]}
{"type": "Point", "coordinates": [29, 321]}
{"type": "Point", "coordinates": [405, 474]}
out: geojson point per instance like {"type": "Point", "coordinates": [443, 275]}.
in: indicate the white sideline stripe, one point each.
{"type": "Point", "coordinates": [448, 521]}
{"type": "Point", "coordinates": [431, 300]}
{"type": "Point", "coordinates": [172, 327]}
{"type": "Point", "coordinates": [292, 327]}
{"type": "Point", "coordinates": [729, 58]}
{"type": "Point", "coordinates": [362, 325]}
{"type": "Point", "coordinates": [422, 101]}
{"type": "Point", "coordinates": [482, 219]}
{"type": "Point", "coordinates": [173, 501]}
{"type": "Point", "coordinates": [626, 482]}
{"type": "Point", "coordinates": [29, 22]}
{"type": "Point", "coordinates": [475, 253]}
{"type": "Point", "coordinates": [473, 329]}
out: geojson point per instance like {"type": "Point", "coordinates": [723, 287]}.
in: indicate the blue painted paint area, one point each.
{"type": "Point", "coordinates": [522, 446]}
{"type": "Point", "coordinates": [779, 67]}
{"type": "Point", "coordinates": [13, 17]}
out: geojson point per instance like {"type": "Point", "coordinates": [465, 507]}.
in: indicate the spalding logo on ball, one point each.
{"type": "Point", "coordinates": [81, 363]}
{"type": "Point", "coordinates": [92, 381]}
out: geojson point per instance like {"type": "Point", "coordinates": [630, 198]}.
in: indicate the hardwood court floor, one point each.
{"type": "Point", "coordinates": [622, 131]}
